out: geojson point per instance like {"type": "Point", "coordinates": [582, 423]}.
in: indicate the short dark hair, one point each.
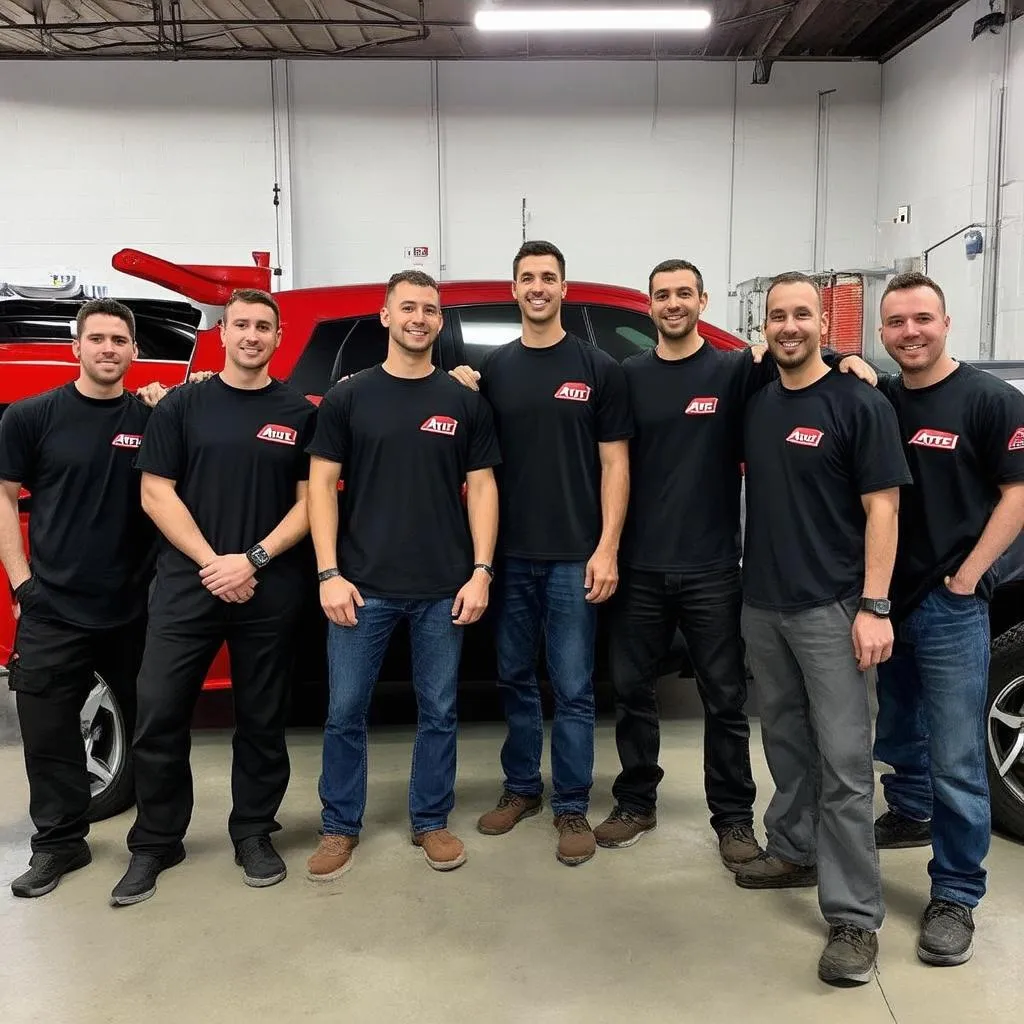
{"type": "Point", "coordinates": [256, 297]}
{"type": "Point", "coordinates": [904, 282]}
{"type": "Point", "coordinates": [668, 267]}
{"type": "Point", "coordinates": [110, 307]}
{"type": "Point", "coordinates": [538, 248]}
{"type": "Point", "coordinates": [791, 277]}
{"type": "Point", "coordinates": [417, 277]}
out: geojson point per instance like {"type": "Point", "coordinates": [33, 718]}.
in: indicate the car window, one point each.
{"type": "Point", "coordinates": [487, 326]}
{"type": "Point", "coordinates": [621, 332]}
{"type": "Point", "coordinates": [165, 341]}
{"type": "Point", "coordinates": [312, 372]}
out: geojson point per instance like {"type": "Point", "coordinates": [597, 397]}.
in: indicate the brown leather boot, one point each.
{"type": "Point", "coordinates": [511, 809]}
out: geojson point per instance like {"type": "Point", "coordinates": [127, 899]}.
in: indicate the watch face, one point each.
{"type": "Point", "coordinates": [259, 557]}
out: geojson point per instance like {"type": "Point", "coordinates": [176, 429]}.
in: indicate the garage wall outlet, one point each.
{"type": "Point", "coordinates": [902, 215]}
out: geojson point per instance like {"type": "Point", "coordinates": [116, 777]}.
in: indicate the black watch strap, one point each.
{"type": "Point", "coordinates": [328, 574]}
{"type": "Point", "coordinates": [879, 606]}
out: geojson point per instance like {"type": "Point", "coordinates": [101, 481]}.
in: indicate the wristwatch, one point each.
{"type": "Point", "coordinates": [328, 574]}
{"type": "Point", "coordinates": [879, 606]}
{"type": "Point", "coordinates": [257, 556]}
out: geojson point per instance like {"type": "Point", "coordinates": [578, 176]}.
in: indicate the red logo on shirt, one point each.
{"type": "Point", "coordinates": [928, 438]}
{"type": "Point", "coordinates": [1017, 441]}
{"type": "Point", "coordinates": [440, 425]}
{"type": "Point", "coordinates": [574, 391]}
{"type": "Point", "coordinates": [701, 406]}
{"type": "Point", "coordinates": [127, 441]}
{"type": "Point", "coordinates": [809, 437]}
{"type": "Point", "coordinates": [278, 434]}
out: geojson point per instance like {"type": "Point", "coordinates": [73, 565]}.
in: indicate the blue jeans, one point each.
{"type": "Point", "coordinates": [547, 595]}
{"type": "Point", "coordinates": [931, 729]}
{"type": "Point", "coordinates": [354, 656]}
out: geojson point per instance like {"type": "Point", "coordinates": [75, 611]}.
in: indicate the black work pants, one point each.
{"type": "Point", "coordinates": [645, 612]}
{"type": "Point", "coordinates": [186, 629]}
{"type": "Point", "coordinates": [52, 671]}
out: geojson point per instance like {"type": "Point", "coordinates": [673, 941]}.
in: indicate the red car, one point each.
{"type": "Point", "coordinates": [327, 334]}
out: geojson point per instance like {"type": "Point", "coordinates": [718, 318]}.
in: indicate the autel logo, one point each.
{"type": "Point", "coordinates": [127, 441]}
{"type": "Point", "coordinates": [1017, 441]}
{"type": "Point", "coordinates": [574, 391]}
{"type": "Point", "coordinates": [809, 437]}
{"type": "Point", "coordinates": [440, 425]}
{"type": "Point", "coordinates": [278, 434]}
{"type": "Point", "coordinates": [929, 438]}
{"type": "Point", "coordinates": [701, 406]}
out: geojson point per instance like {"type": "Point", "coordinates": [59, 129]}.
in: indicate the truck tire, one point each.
{"type": "Point", "coordinates": [1004, 730]}
{"type": "Point", "coordinates": [108, 754]}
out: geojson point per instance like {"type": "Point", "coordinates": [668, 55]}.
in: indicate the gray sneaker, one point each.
{"type": "Point", "coordinates": [947, 934]}
{"type": "Point", "coordinates": [850, 956]}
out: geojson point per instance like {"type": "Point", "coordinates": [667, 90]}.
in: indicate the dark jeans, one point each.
{"type": "Point", "coordinates": [51, 671]}
{"type": "Point", "coordinates": [549, 596]}
{"type": "Point", "coordinates": [355, 654]}
{"type": "Point", "coordinates": [186, 629]}
{"type": "Point", "coordinates": [644, 615]}
{"type": "Point", "coordinates": [931, 729]}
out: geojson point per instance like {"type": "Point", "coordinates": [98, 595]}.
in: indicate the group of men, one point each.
{"type": "Point", "coordinates": [561, 480]}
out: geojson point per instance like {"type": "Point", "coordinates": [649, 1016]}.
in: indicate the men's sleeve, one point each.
{"type": "Point", "coordinates": [877, 448]}
{"type": "Point", "coordinates": [483, 441]}
{"type": "Point", "coordinates": [614, 409]}
{"type": "Point", "coordinates": [162, 452]}
{"type": "Point", "coordinates": [332, 438]}
{"type": "Point", "coordinates": [1002, 436]}
{"type": "Point", "coordinates": [754, 376]}
{"type": "Point", "coordinates": [18, 440]}
{"type": "Point", "coordinates": [305, 439]}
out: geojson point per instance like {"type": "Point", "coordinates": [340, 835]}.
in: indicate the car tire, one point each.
{"type": "Point", "coordinates": [108, 753]}
{"type": "Point", "coordinates": [1004, 731]}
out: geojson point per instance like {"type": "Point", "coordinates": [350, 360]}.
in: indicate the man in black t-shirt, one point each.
{"type": "Point", "coordinates": [407, 438]}
{"type": "Point", "coordinates": [680, 556]}
{"type": "Point", "coordinates": [80, 600]}
{"type": "Point", "coordinates": [561, 407]}
{"type": "Point", "coordinates": [963, 434]}
{"type": "Point", "coordinates": [824, 467]}
{"type": "Point", "coordinates": [224, 475]}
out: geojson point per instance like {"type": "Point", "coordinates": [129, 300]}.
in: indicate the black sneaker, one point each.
{"type": "Point", "coordinates": [139, 881]}
{"type": "Point", "coordinates": [893, 831]}
{"type": "Point", "coordinates": [849, 958]}
{"type": "Point", "coordinates": [47, 867]}
{"type": "Point", "coordinates": [947, 934]}
{"type": "Point", "coordinates": [261, 863]}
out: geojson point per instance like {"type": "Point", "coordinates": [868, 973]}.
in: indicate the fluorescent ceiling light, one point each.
{"type": "Point", "coordinates": [615, 19]}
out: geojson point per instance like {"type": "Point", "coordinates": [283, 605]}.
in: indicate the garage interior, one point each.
{"type": "Point", "coordinates": [349, 140]}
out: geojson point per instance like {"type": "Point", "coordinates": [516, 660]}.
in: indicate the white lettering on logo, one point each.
{"type": "Point", "coordinates": [278, 434]}
{"type": "Point", "coordinates": [440, 425]}
{"type": "Point", "coordinates": [574, 391]}
{"type": "Point", "coordinates": [127, 441]}
{"type": "Point", "coordinates": [809, 437]}
{"type": "Point", "coordinates": [701, 406]}
{"type": "Point", "coordinates": [1017, 441]}
{"type": "Point", "coordinates": [926, 437]}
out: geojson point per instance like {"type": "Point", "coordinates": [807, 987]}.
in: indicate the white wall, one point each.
{"type": "Point", "coordinates": [175, 158]}
{"type": "Point", "coordinates": [936, 106]}
{"type": "Point", "coordinates": [622, 164]}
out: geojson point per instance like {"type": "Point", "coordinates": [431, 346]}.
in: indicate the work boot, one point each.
{"type": "Point", "coordinates": [768, 872]}
{"type": "Point", "coordinates": [894, 831]}
{"type": "Point", "coordinates": [47, 867]}
{"type": "Point", "coordinates": [623, 827]}
{"type": "Point", "coordinates": [511, 809]}
{"type": "Point", "coordinates": [850, 955]}
{"type": "Point", "coordinates": [737, 846]}
{"type": "Point", "coordinates": [576, 844]}
{"type": "Point", "coordinates": [332, 858]}
{"type": "Point", "coordinates": [947, 934]}
{"type": "Point", "coordinates": [442, 850]}
{"type": "Point", "coordinates": [139, 881]}
{"type": "Point", "coordinates": [261, 863]}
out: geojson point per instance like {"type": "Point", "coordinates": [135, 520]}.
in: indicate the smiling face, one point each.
{"type": "Point", "coordinates": [250, 334]}
{"type": "Point", "coordinates": [794, 324]}
{"type": "Point", "coordinates": [412, 315]}
{"type": "Point", "coordinates": [104, 348]}
{"type": "Point", "coordinates": [676, 303]}
{"type": "Point", "coordinates": [914, 328]}
{"type": "Point", "coordinates": [539, 289]}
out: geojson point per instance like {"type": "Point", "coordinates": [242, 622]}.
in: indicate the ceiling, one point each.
{"type": "Point", "coordinates": [766, 30]}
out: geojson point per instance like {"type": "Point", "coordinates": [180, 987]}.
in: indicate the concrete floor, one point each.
{"type": "Point", "coordinates": [658, 932]}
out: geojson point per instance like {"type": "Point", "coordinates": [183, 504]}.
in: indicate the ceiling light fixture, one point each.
{"type": "Point", "coordinates": [611, 19]}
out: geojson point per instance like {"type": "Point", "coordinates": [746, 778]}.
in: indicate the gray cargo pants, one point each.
{"type": "Point", "coordinates": [816, 731]}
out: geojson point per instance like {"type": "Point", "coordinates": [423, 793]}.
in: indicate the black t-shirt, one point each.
{"type": "Point", "coordinates": [405, 447]}
{"type": "Point", "coordinates": [684, 459]}
{"type": "Point", "coordinates": [237, 456]}
{"type": "Point", "coordinates": [810, 455]}
{"type": "Point", "coordinates": [91, 545]}
{"type": "Point", "coordinates": [552, 407]}
{"type": "Point", "coordinates": [963, 437]}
